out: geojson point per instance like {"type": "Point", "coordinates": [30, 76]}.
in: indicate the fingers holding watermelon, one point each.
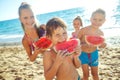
{"type": "Point", "coordinates": [103, 45]}
{"type": "Point", "coordinates": [60, 56]}
{"type": "Point", "coordinates": [77, 50]}
{"type": "Point", "coordinates": [42, 43]}
{"type": "Point", "coordinates": [69, 46]}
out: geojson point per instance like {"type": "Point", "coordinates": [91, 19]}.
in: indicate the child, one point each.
{"type": "Point", "coordinates": [29, 26]}
{"type": "Point", "coordinates": [42, 30]}
{"type": "Point", "coordinates": [89, 55]}
{"type": "Point", "coordinates": [77, 24]}
{"type": "Point", "coordinates": [58, 64]}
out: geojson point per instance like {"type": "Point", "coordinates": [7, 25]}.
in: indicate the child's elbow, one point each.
{"type": "Point", "coordinates": [77, 66]}
{"type": "Point", "coordinates": [47, 77]}
{"type": "Point", "coordinates": [103, 45]}
{"type": "Point", "coordinates": [32, 60]}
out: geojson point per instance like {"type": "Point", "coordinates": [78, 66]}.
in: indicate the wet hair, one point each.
{"type": "Point", "coordinates": [25, 5]}
{"type": "Point", "coordinates": [53, 24]}
{"type": "Point", "coordinates": [78, 18]}
{"type": "Point", "coordinates": [42, 31]}
{"type": "Point", "coordinates": [101, 11]}
{"type": "Point", "coordinates": [41, 26]}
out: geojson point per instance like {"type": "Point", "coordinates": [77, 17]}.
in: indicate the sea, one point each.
{"type": "Point", "coordinates": [12, 32]}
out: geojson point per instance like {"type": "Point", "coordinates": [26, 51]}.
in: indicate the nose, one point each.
{"type": "Point", "coordinates": [30, 21]}
{"type": "Point", "coordinates": [62, 38]}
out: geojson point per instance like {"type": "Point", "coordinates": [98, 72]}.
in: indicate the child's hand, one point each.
{"type": "Point", "coordinates": [103, 45]}
{"type": "Point", "coordinates": [77, 50]}
{"type": "Point", "coordinates": [39, 50]}
{"type": "Point", "coordinates": [60, 57]}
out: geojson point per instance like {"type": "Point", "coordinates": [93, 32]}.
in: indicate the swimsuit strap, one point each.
{"type": "Point", "coordinates": [30, 41]}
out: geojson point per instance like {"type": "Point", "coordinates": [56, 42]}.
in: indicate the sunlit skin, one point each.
{"type": "Point", "coordinates": [27, 17]}
{"type": "Point", "coordinates": [59, 64]}
{"type": "Point", "coordinates": [77, 25]}
{"type": "Point", "coordinates": [28, 20]}
{"type": "Point", "coordinates": [96, 22]}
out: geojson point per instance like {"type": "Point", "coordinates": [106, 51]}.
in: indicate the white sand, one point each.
{"type": "Point", "coordinates": [15, 65]}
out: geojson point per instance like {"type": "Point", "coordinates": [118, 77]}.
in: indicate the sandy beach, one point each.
{"type": "Point", "coordinates": [15, 65]}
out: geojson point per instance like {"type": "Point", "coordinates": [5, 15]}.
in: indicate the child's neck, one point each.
{"type": "Point", "coordinates": [94, 28]}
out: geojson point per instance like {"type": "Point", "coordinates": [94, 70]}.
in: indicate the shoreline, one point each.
{"type": "Point", "coordinates": [111, 41]}
{"type": "Point", "coordinates": [11, 44]}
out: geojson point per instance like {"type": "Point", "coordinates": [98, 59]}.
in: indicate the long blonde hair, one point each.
{"type": "Point", "coordinates": [25, 5]}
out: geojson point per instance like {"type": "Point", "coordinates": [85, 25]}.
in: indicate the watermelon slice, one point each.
{"type": "Point", "coordinates": [69, 45]}
{"type": "Point", "coordinates": [94, 40]}
{"type": "Point", "coordinates": [43, 43]}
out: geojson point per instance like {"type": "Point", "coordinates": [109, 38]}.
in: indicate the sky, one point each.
{"type": "Point", "coordinates": [9, 8]}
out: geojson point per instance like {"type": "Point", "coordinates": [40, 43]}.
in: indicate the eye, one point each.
{"type": "Point", "coordinates": [57, 35]}
{"type": "Point", "coordinates": [25, 18]}
{"type": "Point", "coordinates": [64, 33]}
{"type": "Point", "coordinates": [32, 17]}
{"type": "Point", "coordinates": [100, 20]}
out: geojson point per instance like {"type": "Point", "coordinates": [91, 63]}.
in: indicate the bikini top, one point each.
{"type": "Point", "coordinates": [30, 41]}
{"type": "Point", "coordinates": [74, 35]}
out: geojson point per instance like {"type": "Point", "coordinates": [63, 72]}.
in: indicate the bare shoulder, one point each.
{"type": "Point", "coordinates": [25, 42]}
{"type": "Point", "coordinates": [47, 59]}
{"type": "Point", "coordinates": [83, 30]}
{"type": "Point", "coordinates": [48, 54]}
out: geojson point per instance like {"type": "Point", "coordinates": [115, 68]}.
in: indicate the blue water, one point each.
{"type": "Point", "coordinates": [11, 30]}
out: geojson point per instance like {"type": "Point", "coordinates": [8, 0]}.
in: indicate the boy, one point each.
{"type": "Point", "coordinates": [89, 55]}
{"type": "Point", "coordinates": [58, 64]}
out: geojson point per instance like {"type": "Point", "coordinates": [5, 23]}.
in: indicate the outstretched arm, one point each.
{"type": "Point", "coordinates": [32, 56]}
{"type": "Point", "coordinates": [76, 55]}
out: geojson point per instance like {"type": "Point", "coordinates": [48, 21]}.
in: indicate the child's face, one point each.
{"type": "Point", "coordinates": [76, 24]}
{"type": "Point", "coordinates": [97, 20]}
{"type": "Point", "coordinates": [59, 35]}
{"type": "Point", "coordinates": [27, 17]}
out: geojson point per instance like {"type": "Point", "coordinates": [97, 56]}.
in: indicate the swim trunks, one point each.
{"type": "Point", "coordinates": [89, 58]}
{"type": "Point", "coordinates": [78, 77]}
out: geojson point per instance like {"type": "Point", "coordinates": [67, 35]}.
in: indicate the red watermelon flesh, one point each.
{"type": "Point", "coordinates": [94, 40]}
{"type": "Point", "coordinates": [43, 42]}
{"type": "Point", "coordinates": [67, 45]}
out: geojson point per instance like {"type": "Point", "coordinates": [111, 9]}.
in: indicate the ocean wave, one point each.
{"type": "Point", "coordinates": [10, 36]}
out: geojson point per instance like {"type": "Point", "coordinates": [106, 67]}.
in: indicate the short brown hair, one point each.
{"type": "Point", "coordinates": [53, 24]}
{"type": "Point", "coordinates": [101, 11]}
